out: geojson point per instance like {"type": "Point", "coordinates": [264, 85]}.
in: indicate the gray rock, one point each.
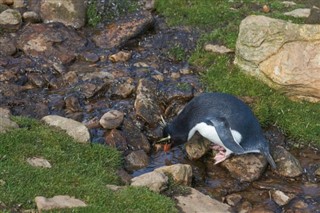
{"type": "Point", "coordinates": [146, 103]}
{"type": "Point", "coordinates": [121, 89]}
{"type": "Point", "coordinates": [31, 17]}
{"type": "Point", "coordinates": [197, 146]}
{"type": "Point", "coordinates": [6, 124]}
{"type": "Point", "coordinates": [75, 129]}
{"type": "Point", "coordinates": [69, 12]}
{"type": "Point", "coordinates": [114, 187]}
{"type": "Point", "coordinates": [314, 17]}
{"type": "Point", "coordinates": [7, 46]}
{"type": "Point", "coordinates": [299, 13]}
{"type": "Point", "coordinates": [10, 19]}
{"type": "Point", "coordinates": [281, 198]}
{"type": "Point", "coordinates": [217, 49]}
{"type": "Point", "coordinates": [198, 202]}
{"type": "Point", "coordinates": [287, 164]}
{"type": "Point", "coordinates": [58, 202]}
{"type": "Point", "coordinates": [181, 173]}
{"type": "Point", "coordinates": [136, 160]}
{"type": "Point", "coordinates": [117, 34]}
{"type": "Point", "coordinates": [278, 42]}
{"type": "Point", "coordinates": [246, 168]}
{"type": "Point", "coordinates": [155, 181]}
{"type": "Point", "coordinates": [39, 162]}
{"type": "Point", "coordinates": [95, 87]}
{"type": "Point", "coordinates": [112, 119]}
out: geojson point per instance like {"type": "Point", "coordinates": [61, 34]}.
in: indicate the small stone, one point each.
{"type": "Point", "coordinates": [281, 198]}
{"type": "Point", "coordinates": [300, 204]}
{"type": "Point", "coordinates": [115, 139]}
{"type": "Point", "coordinates": [112, 119]}
{"type": "Point", "coordinates": [287, 164]}
{"type": "Point", "coordinates": [266, 8]}
{"type": "Point", "coordinates": [39, 162]}
{"type": "Point", "coordinates": [72, 104]}
{"type": "Point", "coordinates": [31, 17]}
{"type": "Point", "coordinates": [122, 90]}
{"type": "Point", "coordinates": [175, 75]}
{"type": "Point", "coordinates": [233, 199]}
{"type": "Point", "coordinates": [124, 176]}
{"type": "Point", "coordinates": [57, 202]}
{"type": "Point", "coordinates": [121, 56]}
{"type": "Point", "coordinates": [155, 181]}
{"type": "Point", "coordinates": [7, 46]}
{"type": "Point", "coordinates": [181, 173]}
{"type": "Point", "coordinates": [245, 207]}
{"type": "Point", "coordinates": [198, 202]}
{"type": "Point", "coordinates": [73, 128]}
{"type": "Point", "coordinates": [288, 3]}
{"type": "Point", "coordinates": [10, 19]}
{"type": "Point", "coordinates": [90, 57]}
{"type": "Point", "coordinates": [317, 172]}
{"type": "Point", "coordinates": [217, 49]}
{"type": "Point", "coordinates": [136, 160]}
{"type": "Point", "coordinates": [114, 187]}
{"type": "Point", "coordinates": [299, 13]}
{"type": "Point", "coordinates": [60, 68]}
{"type": "Point", "coordinates": [197, 146]}
{"type": "Point", "coordinates": [6, 124]}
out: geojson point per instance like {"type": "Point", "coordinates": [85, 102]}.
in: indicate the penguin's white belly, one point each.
{"type": "Point", "coordinates": [211, 134]}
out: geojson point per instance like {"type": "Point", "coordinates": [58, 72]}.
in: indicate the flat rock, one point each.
{"type": "Point", "coordinates": [75, 129]}
{"type": "Point", "coordinates": [198, 202]}
{"type": "Point", "coordinates": [10, 19]}
{"type": "Point", "coordinates": [246, 168]}
{"type": "Point", "coordinates": [287, 164]}
{"type": "Point", "coordinates": [39, 162]}
{"type": "Point", "coordinates": [155, 181]}
{"type": "Point", "coordinates": [299, 13]}
{"type": "Point", "coordinates": [181, 173]}
{"type": "Point", "coordinates": [146, 103]}
{"type": "Point", "coordinates": [117, 34]}
{"type": "Point", "coordinates": [136, 160]}
{"type": "Point", "coordinates": [197, 146]}
{"type": "Point", "coordinates": [69, 12]}
{"type": "Point", "coordinates": [281, 198]}
{"type": "Point", "coordinates": [58, 202]}
{"type": "Point", "coordinates": [54, 42]}
{"type": "Point", "coordinates": [111, 119]}
{"type": "Point", "coordinates": [288, 55]}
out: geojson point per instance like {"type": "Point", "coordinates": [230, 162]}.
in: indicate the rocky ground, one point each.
{"type": "Point", "coordinates": [117, 80]}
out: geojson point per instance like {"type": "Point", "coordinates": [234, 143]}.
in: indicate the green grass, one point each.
{"type": "Point", "coordinates": [77, 170]}
{"type": "Point", "coordinates": [219, 21]}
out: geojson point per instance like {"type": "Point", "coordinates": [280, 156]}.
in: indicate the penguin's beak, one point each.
{"type": "Point", "coordinates": [166, 143]}
{"type": "Point", "coordinates": [166, 147]}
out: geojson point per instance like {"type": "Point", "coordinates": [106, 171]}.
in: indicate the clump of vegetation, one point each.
{"type": "Point", "coordinates": [220, 20]}
{"type": "Point", "coordinates": [177, 53]}
{"type": "Point", "coordinates": [78, 170]}
{"type": "Point", "coordinates": [93, 15]}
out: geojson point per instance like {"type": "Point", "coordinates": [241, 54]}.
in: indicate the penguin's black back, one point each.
{"type": "Point", "coordinates": [210, 105]}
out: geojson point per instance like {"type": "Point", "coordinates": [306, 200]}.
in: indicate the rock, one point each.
{"type": "Point", "coordinates": [117, 34]}
{"type": "Point", "coordinates": [155, 181]}
{"type": "Point", "coordinates": [245, 207]}
{"type": "Point", "coordinates": [277, 185]}
{"type": "Point", "coordinates": [288, 3]}
{"type": "Point", "coordinates": [146, 103]}
{"type": "Point", "coordinates": [19, 3]}
{"type": "Point", "coordinates": [124, 176]}
{"type": "Point", "coordinates": [69, 12]}
{"type": "Point", "coordinates": [95, 87]}
{"type": "Point", "coordinates": [58, 202]}
{"type": "Point", "coordinates": [287, 164]}
{"type": "Point", "coordinates": [198, 202]}
{"type": "Point", "coordinates": [246, 168]}
{"type": "Point", "coordinates": [173, 91]}
{"type": "Point", "coordinates": [281, 198]}
{"type": "Point", "coordinates": [299, 13]}
{"type": "Point", "coordinates": [121, 89]}
{"type": "Point", "coordinates": [314, 17]}
{"type": "Point", "coordinates": [39, 162]}
{"type": "Point", "coordinates": [197, 146]}
{"type": "Point", "coordinates": [121, 56]}
{"type": "Point", "coordinates": [279, 42]}
{"type": "Point", "coordinates": [10, 19]}
{"type": "Point", "coordinates": [75, 129]}
{"type": "Point", "coordinates": [114, 187]}
{"type": "Point", "coordinates": [7, 46]}
{"type": "Point", "coordinates": [90, 57]}
{"type": "Point", "coordinates": [317, 172]}
{"type": "Point", "coordinates": [233, 199]}
{"type": "Point", "coordinates": [72, 104]}
{"type": "Point", "coordinates": [115, 139]}
{"type": "Point", "coordinates": [135, 138]}
{"type": "Point", "coordinates": [136, 160]}
{"type": "Point", "coordinates": [53, 42]}
{"type": "Point", "coordinates": [112, 119]}
{"type": "Point", "coordinates": [6, 124]}
{"type": "Point", "coordinates": [31, 17]}
{"type": "Point", "coordinates": [181, 173]}
{"type": "Point", "coordinates": [37, 80]}
{"type": "Point", "coordinates": [217, 49]}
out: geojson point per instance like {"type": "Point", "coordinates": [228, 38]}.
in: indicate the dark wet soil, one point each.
{"type": "Point", "coordinates": [153, 51]}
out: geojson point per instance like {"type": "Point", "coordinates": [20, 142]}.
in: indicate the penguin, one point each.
{"type": "Point", "coordinates": [224, 120]}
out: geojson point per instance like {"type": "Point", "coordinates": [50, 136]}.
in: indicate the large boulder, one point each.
{"type": "Point", "coordinates": [69, 12]}
{"type": "Point", "coordinates": [282, 54]}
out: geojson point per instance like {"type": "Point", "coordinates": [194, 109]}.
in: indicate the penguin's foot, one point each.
{"type": "Point", "coordinates": [220, 156]}
{"type": "Point", "coordinates": [217, 148]}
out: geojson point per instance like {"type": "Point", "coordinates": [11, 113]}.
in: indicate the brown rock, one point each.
{"type": "Point", "coordinates": [233, 199]}
{"type": "Point", "coordinates": [72, 104]}
{"type": "Point", "coordinates": [136, 160]}
{"type": "Point", "coordinates": [117, 34]}
{"type": "Point", "coordinates": [121, 56]}
{"type": "Point", "coordinates": [7, 46]}
{"type": "Point", "coordinates": [31, 16]}
{"type": "Point", "coordinates": [122, 89]}
{"type": "Point", "coordinates": [281, 198]}
{"type": "Point", "coordinates": [248, 167]}
{"type": "Point", "coordinates": [53, 42]}
{"type": "Point", "coordinates": [115, 139]}
{"type": "Point", "coordinates": [112, 119]}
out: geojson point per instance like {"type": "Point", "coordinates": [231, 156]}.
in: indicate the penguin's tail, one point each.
{"type": "Point", "coordinates": [269, 158]}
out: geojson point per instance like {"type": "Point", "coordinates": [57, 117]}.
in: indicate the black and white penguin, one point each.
{"type": "Point", "coordinates": [224, 120]}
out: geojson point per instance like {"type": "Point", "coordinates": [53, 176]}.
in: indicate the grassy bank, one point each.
{"type": "Point", "coordinates": [78, 170]}
{"type": "Point", "coordinates": [219, 21]}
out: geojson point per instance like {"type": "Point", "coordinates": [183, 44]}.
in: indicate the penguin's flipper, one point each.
{"type": "Point", "coordinates": [224, 132]}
